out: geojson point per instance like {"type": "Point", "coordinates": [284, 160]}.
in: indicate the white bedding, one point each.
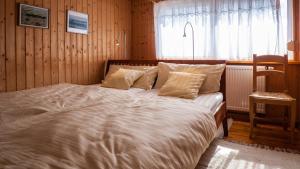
{"type": "Point", "coordinates": [211, 100]}
{"type": "Point", "coordinates": [88, 127]}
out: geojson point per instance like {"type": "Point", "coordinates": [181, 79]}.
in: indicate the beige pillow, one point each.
{"type": "Point", "coordinates": [213, 73]}
{"type": "Point", "coordinates": [147, 80]}
{"type": "Point", "coordinates": [122, 79]}
{"type": "Point", "coordinates": [182, 84]}
{"type": "Point", "coordinates": [144, 82]}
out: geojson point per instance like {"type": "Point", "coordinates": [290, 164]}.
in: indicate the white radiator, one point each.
{"type": "Point", "coordinates": [239, 81]}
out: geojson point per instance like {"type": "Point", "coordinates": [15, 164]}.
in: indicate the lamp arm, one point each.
{"type": "Point", "coordinates": [193, 36]}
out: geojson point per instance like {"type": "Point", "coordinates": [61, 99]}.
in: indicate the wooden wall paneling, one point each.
{"type": "Point", "coordinates": [85, 64]}
{"type": "Point", "coordinates": [46, 49]}
{"type": "Point", "coordinates": [117, 30]}
{"type": "Point", "coordinates": [68, 59]}
{"type": "Point", "coordinates": [129, 30]}
{"type": "Point", "coordinates": [74, 57]}
{"type": "Point", "coordinates": [109, 18]}
{"type": "Point", "coordinates": [296, 12]}
{"type": "Point", "coordinates": [38, 52]}
{"type": "Point", "coordinates": [80, 48]}
{"type": "Point", "coordinates": [113, 40]}
{"type": "Point", "coordinates": [121, 15]}
{"type": "Point", "coordinates": [61, 28]}
{"type": "Point", "coordinates": [129, 34]}
{"type": "Point", "coordinates": [293, 85]}
{"type": "Point", "coordinates": [2, 47]}
{"type": "Point", "coordinates": [10, 45]}
{"type": "Point", "coordinates": [112, 32]}
{"type": "Point", "coordinates": [135, 16]}
{"type": "Point", "coordinates": [143, 39]}
{"type": "Point", "coordinates": [35, 57]}
{"type": "Point", "coordinates": [54, 46]}
{"type": "Point", "coordinates": [29, 55]}
{"type": "Point", "coordinates": [150, 32]}
{"type": "Point", "coordinates": [121, 18]}
{"type": "Point", "coordinates": [99, 46]}
{"type": "Point", "coordinates": [112, 26]}
{"type": "Point", "coordinates": [104, 29]}
{"type": "Point", "coordinates": [124, 28]}
{"type": "Point", "coordinates": [95, 42]}
{"type": "Point", "coordinates": [90, 40]}
{"type": "Point", "coordinates": [298, 91]}
{"type": "Point", "coordinates": [20, 53]}
{"type": "Point", "coordinates": [120, 11]}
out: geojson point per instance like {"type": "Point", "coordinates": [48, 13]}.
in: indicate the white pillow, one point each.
{"type": "Point", "coordinates": [183, 85]}
{"type": "Point", "coordinates": [122, 79]}
{"type": "Point", "coordinates": [213, 73]}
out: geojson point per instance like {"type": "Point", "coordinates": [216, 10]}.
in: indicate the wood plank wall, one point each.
{"type": "Point", "coordinates": [143, 39]}
{"type": "Point", "coordinates": [32, 57]}
{"type": "Point", "coordinates": [297, 28]}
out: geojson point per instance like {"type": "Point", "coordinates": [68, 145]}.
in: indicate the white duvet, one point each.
{"type": "Point", "coordinates": [89, 127]}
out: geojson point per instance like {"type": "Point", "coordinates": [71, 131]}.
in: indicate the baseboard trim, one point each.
{"type": "Point", "coordinates": [244, 116]}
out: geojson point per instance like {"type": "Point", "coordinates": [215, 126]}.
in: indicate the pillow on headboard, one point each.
{"type": "Point", "coordinates": [146, 81]}
{"type": "Point", "coordinates": [213, 73]}
{"type": "Point", "coordinates": [122, 79]}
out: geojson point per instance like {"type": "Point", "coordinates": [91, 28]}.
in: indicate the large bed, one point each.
{"type": "Point", "coordinates": [89, 127]}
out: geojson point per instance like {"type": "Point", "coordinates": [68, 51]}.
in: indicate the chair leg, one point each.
{"type": "Point", "coordinates": [251, 114]}
{"type": "Point", "coordinates": [293, 120]}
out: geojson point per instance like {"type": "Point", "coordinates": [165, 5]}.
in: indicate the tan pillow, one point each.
{"type": "Point", "coordinates": [122, 79]}
{"type": "Point", "coordinates": [213, 72]}
{"type": "Point", "coordinates": [147, 80]}
{"type": "Point", "coordinates": [182, 84]}
{"type": "Point", "coordinates": [144, 82]}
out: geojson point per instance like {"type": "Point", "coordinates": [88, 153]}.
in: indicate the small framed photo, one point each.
{"type": "Point", "coordinates": [77, 22]}
{"type": "Point", "coordinates": [33, 16]}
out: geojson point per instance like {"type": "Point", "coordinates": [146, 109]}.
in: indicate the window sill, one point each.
{"type": "Point", "coordinates": [250, 62]}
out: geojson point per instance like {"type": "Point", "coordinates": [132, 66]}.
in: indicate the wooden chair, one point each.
{"type": "Point", "coordinates": [273, 98]}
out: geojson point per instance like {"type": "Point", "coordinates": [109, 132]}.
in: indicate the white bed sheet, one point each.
{"type": "Point", "coordinates": [211, 101]}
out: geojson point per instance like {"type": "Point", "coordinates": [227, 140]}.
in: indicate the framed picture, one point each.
{"type": "Point", "coordinates": [33, 16]}
{"type": "Point", "coordinates": [77, 22]}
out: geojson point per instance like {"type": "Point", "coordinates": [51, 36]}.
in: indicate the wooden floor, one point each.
{"type": "Point", "coordinates": [264, 135]}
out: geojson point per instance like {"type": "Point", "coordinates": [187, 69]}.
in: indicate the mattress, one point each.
{"type": "Point", "coordinates": [80, 127]}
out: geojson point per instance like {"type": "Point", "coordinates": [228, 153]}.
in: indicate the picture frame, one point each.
{"type": "Point", "coordinates": [33, 16]}
{"type": "Point", "coordinates": [77, 22]}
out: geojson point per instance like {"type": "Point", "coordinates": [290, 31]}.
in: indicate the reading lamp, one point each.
{"type": "Point", "coordinates": [193, 37]}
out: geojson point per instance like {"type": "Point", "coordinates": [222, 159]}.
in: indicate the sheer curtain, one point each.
{"type": "Point", "coordinates": [224, 29]}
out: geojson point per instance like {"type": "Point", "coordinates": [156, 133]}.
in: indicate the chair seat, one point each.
{"type": "Point", "coordinates": [272, 96]}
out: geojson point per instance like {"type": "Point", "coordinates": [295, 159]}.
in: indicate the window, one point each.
{"type": "Point", "coordinates": [224, 29]}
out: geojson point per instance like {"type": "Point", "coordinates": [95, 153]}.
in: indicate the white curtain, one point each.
{"type": "Point", "coordinates": [224, 29]}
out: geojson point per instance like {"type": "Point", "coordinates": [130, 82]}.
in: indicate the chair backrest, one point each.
{"type": "Point", "coordinates": [269, 60]}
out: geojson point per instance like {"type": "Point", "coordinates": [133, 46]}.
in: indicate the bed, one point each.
{"type": "Point", "coordinates": [76, 126]}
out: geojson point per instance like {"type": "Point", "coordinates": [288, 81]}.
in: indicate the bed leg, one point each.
{"type": "Point", "coordinates": [225, 126]}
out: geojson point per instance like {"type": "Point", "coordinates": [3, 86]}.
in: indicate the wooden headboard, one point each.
{"type": "Point", "coordinates": [155, 62]}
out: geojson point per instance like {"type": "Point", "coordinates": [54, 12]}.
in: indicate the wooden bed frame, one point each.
{"type": "Point", "coordinates": [221, 112]}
